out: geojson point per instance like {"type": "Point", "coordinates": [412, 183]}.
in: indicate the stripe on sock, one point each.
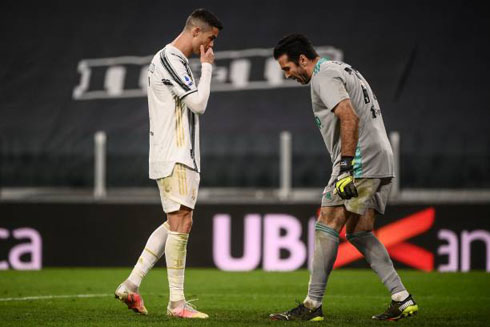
{"type": "Point", "coordinates": [324, 228]}
{"type": "Point", "coordinates": [152, 253]}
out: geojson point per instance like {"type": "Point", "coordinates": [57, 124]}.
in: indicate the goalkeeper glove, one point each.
{"type": "Point", "coordinates": [344, 185]}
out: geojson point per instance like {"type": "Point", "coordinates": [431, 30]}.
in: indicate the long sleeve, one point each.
{"type": "Point", "coordinates": [197, 101]}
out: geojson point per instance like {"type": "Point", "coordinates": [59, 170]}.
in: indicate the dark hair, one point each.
{"type": "Point", "coordinates": [205, 16]}
{"type": "Point", "coordinates": [295, 45]}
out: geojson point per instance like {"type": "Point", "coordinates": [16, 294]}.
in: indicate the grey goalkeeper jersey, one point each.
{"type": "Point", "coordinates": [332, 82]}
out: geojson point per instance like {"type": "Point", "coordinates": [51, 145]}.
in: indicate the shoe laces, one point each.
{"type": "Point", "coordinates": [300, 308]}
{"type": "Point", "coordinates": [390, 308]}
{"type": "Point", "coordinates": [190, 306]}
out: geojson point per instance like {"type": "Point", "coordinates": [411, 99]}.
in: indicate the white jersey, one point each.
{"type": "Point", "coordinates": [174, 128]}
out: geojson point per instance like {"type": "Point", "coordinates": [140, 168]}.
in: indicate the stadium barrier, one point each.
{"type": "Point", "coordinates": [100, 85]}
{"type": "Point", "coordinates": [285, 192]}
{"type": "Point", "coordinates": [236, 237]}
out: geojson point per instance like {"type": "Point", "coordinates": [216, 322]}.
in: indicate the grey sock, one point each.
{"type": "Point", "coordinates": [378, 258]}
{"type": "Point", "coordinates": [326, 246]}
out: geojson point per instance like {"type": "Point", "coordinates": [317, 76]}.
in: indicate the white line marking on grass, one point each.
{"type": "Point", "coordinates": [271, 295]}
{"type": "Point", "coordinates": [49, 297]}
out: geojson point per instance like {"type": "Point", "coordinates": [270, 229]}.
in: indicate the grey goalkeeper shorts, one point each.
{"type": "Point", "coordinates": [373, 193]}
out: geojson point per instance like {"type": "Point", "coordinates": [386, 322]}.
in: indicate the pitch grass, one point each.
{"type": "Point", "coordinates": [238, 299]}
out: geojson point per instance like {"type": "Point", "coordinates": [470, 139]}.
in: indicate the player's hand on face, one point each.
{"type": "Point", "coordinates": [207, 56]}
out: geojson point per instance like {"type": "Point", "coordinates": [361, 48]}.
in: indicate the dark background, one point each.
{"type": "Point", "coordinates": [426, 60]}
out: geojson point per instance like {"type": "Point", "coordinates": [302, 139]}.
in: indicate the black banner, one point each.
{"type": "Point", "coordinates": [71, 69]}
{"type": "Point", "coordinates": [236, 237]}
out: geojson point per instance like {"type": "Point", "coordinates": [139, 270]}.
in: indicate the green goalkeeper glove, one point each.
{"type": "Point", "coordinates": [344, 185]}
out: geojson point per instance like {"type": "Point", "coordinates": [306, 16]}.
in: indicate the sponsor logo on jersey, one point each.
{"type": "Point", "coordinates": [188, 80]}
{"type": "Point", "coordinates": [318, 122]}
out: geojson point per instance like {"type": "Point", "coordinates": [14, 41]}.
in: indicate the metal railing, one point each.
{"type": "Point", "coordinates": [285, 193]}
{"type": "Point", "coordinates": [100, 165]}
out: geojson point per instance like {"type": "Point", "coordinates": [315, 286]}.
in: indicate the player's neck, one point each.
{"type": "Point", "coordinates": [183, 43]}
{"type": "Point", "coordinates": [311, 66]}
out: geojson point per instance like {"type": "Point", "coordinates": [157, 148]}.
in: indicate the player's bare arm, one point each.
{"type": "Point", "coordinates": [349, 127]}
{"type": "Point", "coordinates": [349, 134]}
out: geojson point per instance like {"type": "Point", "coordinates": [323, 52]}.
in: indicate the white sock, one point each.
{"type": "Point", "coordinates": [176, 252]}
{"type": "Point", "coordinates": [154, 249]}
{"type": "Point", "coordinates": [310, 303]}
{"type": "Point", "coordinates": [400, 296]}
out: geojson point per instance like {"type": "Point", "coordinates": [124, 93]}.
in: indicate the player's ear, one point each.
{"type": "Point", "coordinates": [302, 60]}
{"type": "Point", "coordinates": [195, 31]}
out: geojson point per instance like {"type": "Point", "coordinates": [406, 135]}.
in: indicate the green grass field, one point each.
{"type": "Point", "coordinates": [236, 299]}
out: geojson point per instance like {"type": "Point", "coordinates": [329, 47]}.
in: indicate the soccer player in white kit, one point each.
{"type": "Point", "coordinates": [175, 104]}
{"type": "Point", "coordinates": [349, 118]}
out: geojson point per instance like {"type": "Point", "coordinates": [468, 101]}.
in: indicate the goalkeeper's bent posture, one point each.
{"type": "Point", "coordinates": [350, 121]}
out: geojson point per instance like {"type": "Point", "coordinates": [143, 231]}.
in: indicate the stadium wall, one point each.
{"type": "Point", "coordinates": [70, 69]}
{"type": "Point", "coordinates": [236, 237]}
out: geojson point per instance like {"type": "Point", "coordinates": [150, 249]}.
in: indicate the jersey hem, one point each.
{"type": "Point", "coordinates": [376, 176]}
{"type": "Point", "coordinates": [159, 173]}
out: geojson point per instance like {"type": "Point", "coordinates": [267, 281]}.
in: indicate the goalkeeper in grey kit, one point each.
{"type": "Point", "coordinates": [350, 121]}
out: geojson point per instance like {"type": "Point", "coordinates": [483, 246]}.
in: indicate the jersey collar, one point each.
{"type": "Point", "coordinates": [177, 52]}
{"type": "Point", "coordinates": [318, 63]}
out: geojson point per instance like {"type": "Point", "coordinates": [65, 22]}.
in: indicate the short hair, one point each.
{"type": "Point", "coordinates": [205, 16]}
{"type": "Point", "coordinates": [295, 45]}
